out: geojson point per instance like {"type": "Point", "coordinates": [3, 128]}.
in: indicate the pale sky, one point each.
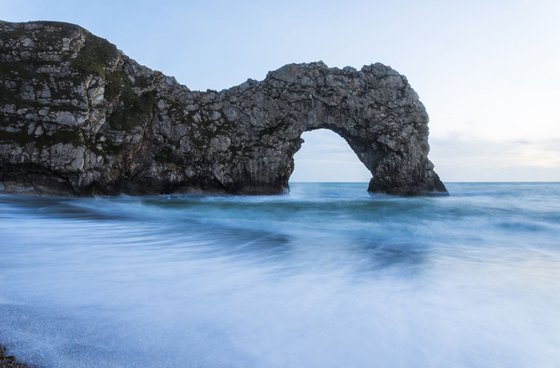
{"type": "Point", "coordinates": [487, 71]}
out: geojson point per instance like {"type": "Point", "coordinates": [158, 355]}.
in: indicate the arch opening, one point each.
{"type": "Point", "coordinates": [325, 156]}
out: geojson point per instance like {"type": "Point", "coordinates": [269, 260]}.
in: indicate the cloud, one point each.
{"type": "Point", "coordinates": [325, 156]}
{"type": "Point", "coordinates": [468, 158]}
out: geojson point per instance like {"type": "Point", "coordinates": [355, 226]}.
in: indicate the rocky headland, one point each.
{"type": "Point", "coordinates": [79, 117]}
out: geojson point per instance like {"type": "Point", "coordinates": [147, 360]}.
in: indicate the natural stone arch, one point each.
{"type": "Point", "coordinates": [374, 110]}
{"type": "Point", "coordinates": [78, 117]}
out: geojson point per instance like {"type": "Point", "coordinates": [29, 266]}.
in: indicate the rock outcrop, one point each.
{"type": "Point", "coordinates": [77, 116]}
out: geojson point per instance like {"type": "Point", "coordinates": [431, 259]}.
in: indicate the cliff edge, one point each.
{"type": "Point", "coordinates": [77, 116]}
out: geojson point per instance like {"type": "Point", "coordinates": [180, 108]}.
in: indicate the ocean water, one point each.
{"type": "Point", "coordinates": [327, 276]}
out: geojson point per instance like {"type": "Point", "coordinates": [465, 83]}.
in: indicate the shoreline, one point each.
{"type": "Point", "coordinates": [9, 361]}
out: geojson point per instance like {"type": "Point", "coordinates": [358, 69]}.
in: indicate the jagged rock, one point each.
{"type": "Point", "coordinates": [77, 116]}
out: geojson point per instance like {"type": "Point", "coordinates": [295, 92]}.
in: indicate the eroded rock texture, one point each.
{"type": "Point", "coordinates": [77, 116]}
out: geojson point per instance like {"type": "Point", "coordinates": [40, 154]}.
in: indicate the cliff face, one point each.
{"type": "Point", "coordinates": [77, 116]}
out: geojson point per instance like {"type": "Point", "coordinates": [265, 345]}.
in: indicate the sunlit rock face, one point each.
{"type": "Point", "coordinates": [77, 116]}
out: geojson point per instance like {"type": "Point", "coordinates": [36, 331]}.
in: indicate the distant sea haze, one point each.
{"type": "Point", "coordinates": [326, 276]}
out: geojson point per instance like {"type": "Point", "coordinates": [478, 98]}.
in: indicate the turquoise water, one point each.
{"type": "Point", "coordinates": [326, 276]}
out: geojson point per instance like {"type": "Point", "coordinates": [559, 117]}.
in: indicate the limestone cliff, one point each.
{"type": "Point", "coordinates": [77, 116]}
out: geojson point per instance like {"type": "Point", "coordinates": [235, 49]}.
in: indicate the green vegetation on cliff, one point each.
{"type": "Point", "coordinates": [95, 56]}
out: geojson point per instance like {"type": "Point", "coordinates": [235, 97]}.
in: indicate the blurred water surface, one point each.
{"type": "Point", "coordinates": [327, 276]}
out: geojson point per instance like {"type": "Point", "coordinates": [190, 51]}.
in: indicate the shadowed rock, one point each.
{"type": "Point", "coordinates": [8, 361]}
{"type": "Point", "coordinates": [77, 116]}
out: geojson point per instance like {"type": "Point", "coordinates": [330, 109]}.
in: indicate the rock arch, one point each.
{"type": "Point", "coordinates": [375, 110]}
{"type": "Point", "coordinates": [80, 117]}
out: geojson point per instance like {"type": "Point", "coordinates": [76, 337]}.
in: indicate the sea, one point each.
{"type": "Point", "coordinates": [325, 276]}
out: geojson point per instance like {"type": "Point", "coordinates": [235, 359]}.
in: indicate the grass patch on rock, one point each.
{"type": "Point", "coordinates": [135, 110]}
{"type": "Point", "coordinates": [96, 54]}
